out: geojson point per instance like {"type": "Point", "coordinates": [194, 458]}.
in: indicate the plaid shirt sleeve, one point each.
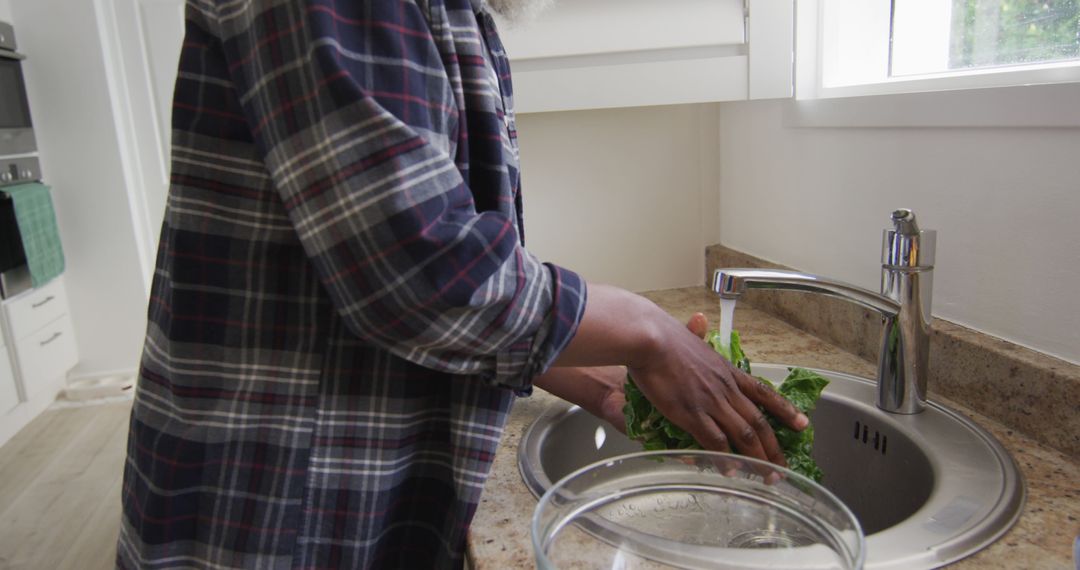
{"type": "Point", "coordinates": [389, 147]}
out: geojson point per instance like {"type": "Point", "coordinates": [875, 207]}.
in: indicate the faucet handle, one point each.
{"type": "Point", "coordinates": [903, 221]}
{"type": "Point", "coordinates": [905, 245]}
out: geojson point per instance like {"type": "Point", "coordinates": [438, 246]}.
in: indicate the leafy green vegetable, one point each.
{"type": "Point", "coordinates": [801, 387]}
{"type": "Point", "coordinates": [733, 353]}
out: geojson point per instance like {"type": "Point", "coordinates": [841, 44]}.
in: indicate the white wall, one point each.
{"type": "Point", "coordinates": [624, 196]}
{"type": "Point", "coordinates": [77, 140]}
{"type": "Point", "coordinates": [5, 11]}
{"type": "Point", "coordinates": [1005, 203]}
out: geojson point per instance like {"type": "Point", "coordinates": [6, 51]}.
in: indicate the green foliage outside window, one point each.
{"type": "Point", "coordinates": [1006, 32]}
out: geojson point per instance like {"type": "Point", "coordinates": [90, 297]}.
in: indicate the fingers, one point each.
{"type": "Point", "coordinates": [744, 424]}
{"type": "Point", "coordinates": [757, 391]}
{"type": "Point", "coordinates": [727, 465]}
{"type": "Point", "coordinates": [750, 430]}
{"type": "Point", "coordinates": [753, 434]}
{"type": "Point", "coordinates": [762, 394]}
{"type": "Point", "coordinates": [706, 431]}
{"type": "Point", "coordinates": [728, 429]}
{"type": "Point", "coordinates": [611, 410]}
{"type": "Point", "coordinates": [698, 390]}
{"type": "Point", "coordinates": [753, 438]}
{"type": "Point", "coordinates": [723, 419]}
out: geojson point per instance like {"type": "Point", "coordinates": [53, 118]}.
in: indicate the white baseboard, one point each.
{"type": "Point", "coordinates": [102, 374]}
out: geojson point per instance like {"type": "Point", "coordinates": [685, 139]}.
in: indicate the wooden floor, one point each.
{"type": "Point", "coordinates": [60, 489]}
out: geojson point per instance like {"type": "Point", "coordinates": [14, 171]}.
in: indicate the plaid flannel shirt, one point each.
{"type": "Point", "coordinates": [342, 307]}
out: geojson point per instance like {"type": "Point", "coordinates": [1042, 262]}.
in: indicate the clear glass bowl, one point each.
{"type": "Point", "coordinates": [692, 509]}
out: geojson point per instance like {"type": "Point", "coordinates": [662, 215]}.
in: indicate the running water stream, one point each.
{"type": "Point", "coordinates": [727, 315]}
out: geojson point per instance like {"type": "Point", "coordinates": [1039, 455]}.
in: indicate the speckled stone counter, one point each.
{"type": "Point", "coordinates": [1043, 537]}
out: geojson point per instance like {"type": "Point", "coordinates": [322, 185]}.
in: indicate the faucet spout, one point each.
{"type": "Point", "coordinates": [732, 283]}
{"type": "Point", "coordinates": [907, 269]}
{"type": "Point", "coordinates": [903, 358]}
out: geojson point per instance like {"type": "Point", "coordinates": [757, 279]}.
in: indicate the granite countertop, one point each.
{"type": "Point", "coordinates": [1042, 538]}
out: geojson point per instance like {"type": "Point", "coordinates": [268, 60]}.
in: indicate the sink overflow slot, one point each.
{"type": "Point", "coordinates": [880, 441]}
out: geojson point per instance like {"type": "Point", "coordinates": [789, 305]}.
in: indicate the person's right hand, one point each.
{"type": "Point", "coordinates": [600, 390]}
{"type": "Point", "coordinates": [682, 376]}
{"type": "Point", "coordinates": [703, 393]}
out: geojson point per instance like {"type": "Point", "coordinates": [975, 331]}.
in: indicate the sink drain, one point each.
{"type": "Point", "coordinates": [769, 539]}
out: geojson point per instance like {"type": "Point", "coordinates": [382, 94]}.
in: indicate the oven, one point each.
{"type": "Point", "coordinates": [18, 161]}
{"type": "Point", "coordinates": [16, 127]}
{"type": "Point", "coordinates": [14, 273]}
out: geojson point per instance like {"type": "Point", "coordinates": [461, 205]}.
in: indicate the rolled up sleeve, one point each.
{"type": "Point", "coordinates": [357, 108]}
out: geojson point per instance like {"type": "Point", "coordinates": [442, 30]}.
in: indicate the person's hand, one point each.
{"type": "Point", "coordinates": [608, 406]}
{"type": "Point", "coordinates": [611, 402]}
{"type": "Point", "coordinates": [682, 376]}
{"type": "Point", "coordinates": [706, 395]}
{"type": "Point", "coordinates": [600, 390]}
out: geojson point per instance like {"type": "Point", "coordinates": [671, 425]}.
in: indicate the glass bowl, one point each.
{"type": "Point", "coordinates": [692, 509]}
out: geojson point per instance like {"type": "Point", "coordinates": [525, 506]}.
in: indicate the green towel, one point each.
{"type": "Point", "coordinates": [37, 227]}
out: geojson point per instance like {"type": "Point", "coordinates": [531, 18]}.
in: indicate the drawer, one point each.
{"type": "Point", "coordinates": [46, 355]}
{"type": "Point", "coordinates": [34, 309]}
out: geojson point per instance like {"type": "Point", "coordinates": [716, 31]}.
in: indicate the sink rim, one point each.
{"type": "Point", "coordinates": [970, 536]}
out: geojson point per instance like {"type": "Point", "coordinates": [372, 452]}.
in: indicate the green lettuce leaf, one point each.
{"type": "Point", "coordinates": [733, 353]}
{"type": "Point", "coordinates": [801, 387]}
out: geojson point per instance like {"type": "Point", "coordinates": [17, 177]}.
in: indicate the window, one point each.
{"type": "Point", "coordinates": [938, 36]}
{"type": "Point", "coordinates": [894, 46]}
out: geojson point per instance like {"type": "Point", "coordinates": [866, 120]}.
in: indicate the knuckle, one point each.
{"type": "Point", "coordinates": [760, 423]}
{"type": "Point", "coordinates": [720, 440]}
{"type": "Point", "coordinates": [729, 383]}
{"type": "Point", "coordinates": [763, 391]}
{"type": "Point", "coordinates": [747, 435]}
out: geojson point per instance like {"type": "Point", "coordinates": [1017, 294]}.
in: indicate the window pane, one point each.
{"type": "Point", "coordinates": [982, 33]}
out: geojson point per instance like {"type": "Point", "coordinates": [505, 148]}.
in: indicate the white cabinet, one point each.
{"type": "Point", "coordinates": [41, 339]}
{"type": "Point", "coordinates": [29, 312]}
{"type": "Point", "coordinates": [591, 54]}
{"type": "Point", "coordinates": [45, 356]}
{"type": "Point", "coordinates": [37, 349]}
{"type": "Point", "coordinates": [9, 393]}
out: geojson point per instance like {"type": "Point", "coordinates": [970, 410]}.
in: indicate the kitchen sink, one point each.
{"type": "Point", "coordinates": [928, 488]}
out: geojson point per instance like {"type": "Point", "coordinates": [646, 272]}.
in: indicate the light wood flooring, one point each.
{"type": "Point", "coordinates": [60, 489]}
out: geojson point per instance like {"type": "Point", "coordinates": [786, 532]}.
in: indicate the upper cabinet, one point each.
{"type": "Point", "coordinates": [594, 54]}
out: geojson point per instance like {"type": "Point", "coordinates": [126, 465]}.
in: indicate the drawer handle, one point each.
{"type": "Point", "coordinates": [38, 304]}
{"type": "Point", "coordinates": [55, 336]}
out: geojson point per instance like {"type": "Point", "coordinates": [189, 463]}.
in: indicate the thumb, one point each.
{"type": "Point", "coordinates": [698, 324]}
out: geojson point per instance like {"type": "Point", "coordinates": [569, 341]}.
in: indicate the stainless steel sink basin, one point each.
{"type": "Point", "coordinates": [928, 489]}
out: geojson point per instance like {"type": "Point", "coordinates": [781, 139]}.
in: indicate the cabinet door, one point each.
{"type": "Point", "coordinates": [9, 394]}
{"type": "Point", "coordinates": [593, 54]}
{"type": "Point", "coordinates": [46, 355]}
{"type": "Point", "coordinates": [34, 309]}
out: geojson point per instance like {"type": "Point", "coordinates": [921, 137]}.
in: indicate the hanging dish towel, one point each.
{"type": "Point", "coordinates": [37, 227]}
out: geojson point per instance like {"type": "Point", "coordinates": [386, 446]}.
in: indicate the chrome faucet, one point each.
{"type": "Point", "coordinates": [907, 265]}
